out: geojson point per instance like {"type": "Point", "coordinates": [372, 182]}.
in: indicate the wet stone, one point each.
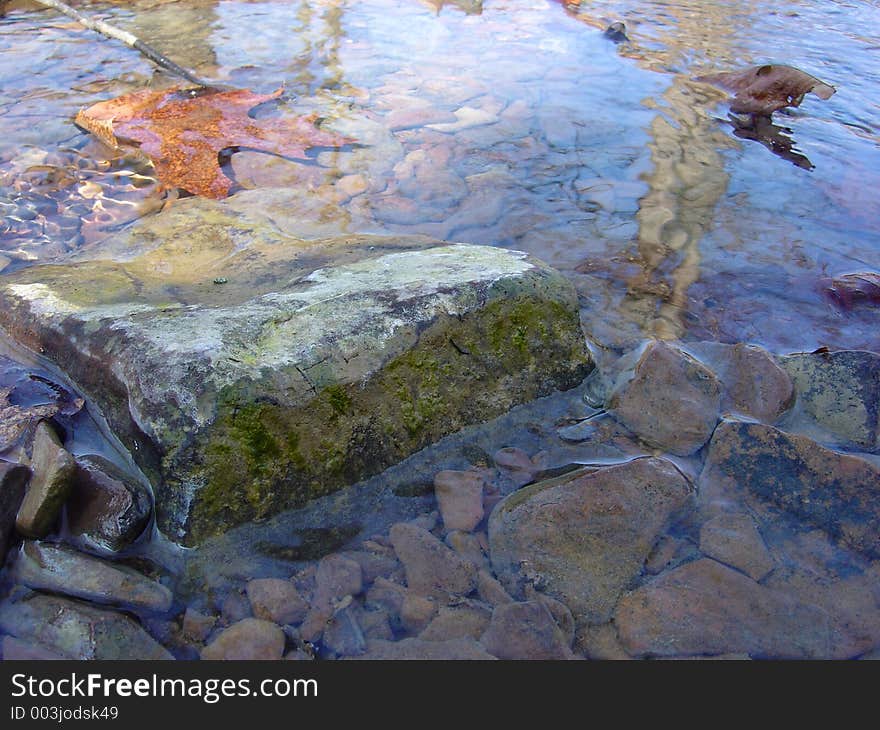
{"type": "Point", "coordinates": [316, 620]}
{"type": "Point", "coordinates": [581, 538]}
{"type": "Point", "coordinates": [375, 624]}
{"type": "Point", "coordinates": [841, 392]}
{"type": "Point", "coordinates": [490, 590]}
{"type": "Point", "coordinates": [26, 399]}
{"type": "Point", "coordinates": [469, 547]}
{"type": "Point", "coordinates": [197, 626]}
{"type": "Point", "coordinates": [707, 608]}
{"type": "Point", "coordinates": [764, 466]}
{"type": "Point", "coordinates": [558, 610]}
{"type": "Point", "coordinates": [298, 655]}
{"type": "Point", "coordinates": [343, 635]}
{"type": "Point", "coordinates": [811, 568]}
{"type": "Point", "coordinates": [386, 595]}
{"type": "Point", "coordinates": [466, 117]}
{"type": "Point", "coordinates": [336, 578]}
{"type": "Point", "coordinates": [578, 432]}
{"type": "Point", "coordinates": [16, 649]}
{"type": "Point", "coordinates": [379, 545]}
{"type": "Point", "coordinates": [351, 185]}
{"type": "Point", "coordinates": [235, 608]}
{"type": "Point", "coordinates": [60, 569]}
{"type": "Point", "coordinates": [416, 612]}
{"type": "Point", "coordinates": [13, 483]}
{"type": "Point", "coordinates": [320, 363]}
{"type": "Point", "coordinates": [457, 622]}
{"type": "Point", "coordinates": [754, 383]}
{"type": "Point", "coordinates": [668, 552]}
{"type": "Point", "coordinates": [525, 631]}
{"type": "Point", "coordinates": [373, 565]}
{"type": "Point", "coordinates": [427, 521]}
{"type": "Point", "coordinates": [419, 116]}
{"type": "Point", "coordinates": [53, 474]}
{"type": "Point", "coordinates": [517, 465]}
{"type": "Point", "coordinates": [761, 388]}
{"type": "Point", "coordinates": [672, 401]}
{"type": "Point", "coordinates": [274, 599]}
{"type": "Point", "coordinates": [77, 630]}
{"type": "Point", "coordinates": [460, 499]}
{"type": "Point", "coordinates": [250, 638]}
{"type": "Point", "coordinates": [600, 641]}
{"type": "Point", "coordinates": [733, 539]}
{"type": "Point", "coordinates": [17, 425]}
{"type": "Point", "coordinates": [432, 569]}
{"type": "Point", "coordinates": [107, 508]}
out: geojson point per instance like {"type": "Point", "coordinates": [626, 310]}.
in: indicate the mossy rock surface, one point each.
{"type": "Point", "coordinates": [249, 370]}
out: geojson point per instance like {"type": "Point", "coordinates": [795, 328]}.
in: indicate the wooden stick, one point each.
{"type": "Point", "coordinates": [99, 26]}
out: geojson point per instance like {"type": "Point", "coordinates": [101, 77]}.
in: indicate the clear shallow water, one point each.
{"type": "Point", "coordinates": [515, 124]}
{"type": "Point", "coordinates": [605, 160]}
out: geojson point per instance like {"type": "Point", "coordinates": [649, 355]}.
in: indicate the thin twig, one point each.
{"type": "Point", "coordinates": [99, 26]}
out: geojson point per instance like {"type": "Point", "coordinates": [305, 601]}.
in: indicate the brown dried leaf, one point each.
{"type": "Point", "coordinates": [182, 131]}
{"type": "Point", "coordinates": [766, 89]}
{"type": "Point", "coordinates": [851, 289]}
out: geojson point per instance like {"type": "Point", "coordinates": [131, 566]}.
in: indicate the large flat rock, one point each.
{"type": "Point", "coordinates": [764, 466]}
{"type": "Point", "coordinates": [705, 608]}
{"type": "Point", "coordinates": [583, 537]}
{"type": "Point", "coordinates": [249, 370]}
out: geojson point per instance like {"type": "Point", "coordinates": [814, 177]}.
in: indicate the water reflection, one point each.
{"type": "Point", "coordinates": [685, 211]}
{"type": "Point", "coordinates": [519, 125]}
{"type": "Point", "coordinates": [160, 25]}
{"type": "Point", "coordinates": [688, 176]}
{"type": "Point", "coordinates": [775, 138]}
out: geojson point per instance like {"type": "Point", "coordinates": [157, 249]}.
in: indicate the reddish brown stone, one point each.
{"type": "Point", "coordinates": [672, 401]}
{"type": "Point", "coordinates": [581, 538]}
{"type": "Point", "coordinates": [275, 599]}
{"type": "Point", "coordinates": [525, 631]}
{"type": "Point", "coordinates": [418, 649]}
{"type": "Point", "coordinates": [707, 608]}
{"type": "Point", "coordinates": [733, 539]}
{"type": "Point", "coordinates": [460, 499]}
{"type": "Point", "coordinates": [250, 638]}
{"type": "Point", "coordinates": [432, 569]}
{"type": "Point", "coordinates": [836, 492]}
{"type": "Point", "coordinates": [107, 509]}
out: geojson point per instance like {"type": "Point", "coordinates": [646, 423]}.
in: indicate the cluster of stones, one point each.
{"type": "Point", "coordinates": [754, 542]}
{"type": "Point", "coordinates": [65, 589]}
{"type": "Point", "coordinates": [744, 526]}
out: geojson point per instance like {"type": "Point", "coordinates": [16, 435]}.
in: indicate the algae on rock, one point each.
{"type": "Point", "coordinates": [318, 363]}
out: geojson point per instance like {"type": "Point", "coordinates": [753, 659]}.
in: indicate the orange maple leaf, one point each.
{"type": "Point", "coordinates": [182, 131]}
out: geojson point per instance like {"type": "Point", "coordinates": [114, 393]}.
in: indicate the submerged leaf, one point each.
{"type": "Point", "coordinates": [850, 289]}
{"type": "Point", "coordinates": [182, 131]}
{"type": "Point", "coordinates": [766, 89]}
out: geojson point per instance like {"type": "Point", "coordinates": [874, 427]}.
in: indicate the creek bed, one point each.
{"type": "Point", "coordinates": [514, 124]}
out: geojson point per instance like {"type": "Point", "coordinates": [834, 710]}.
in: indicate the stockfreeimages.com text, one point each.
{"type": "Point", "coordinates": [209, 690]}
